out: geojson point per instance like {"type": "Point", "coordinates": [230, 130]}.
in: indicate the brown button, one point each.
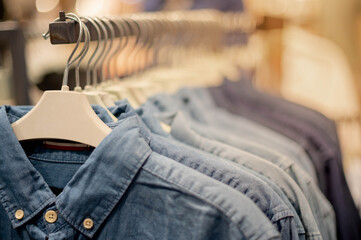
{"type": "Point", "coordinates": [88, 223]}
{"type": "Point", "coordinates": [51, 216]}
{"type": "Point", "coordinates": [19, 214]}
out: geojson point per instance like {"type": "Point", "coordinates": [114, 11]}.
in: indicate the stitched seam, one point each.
{"type": "Point", "coordinates": [101, 218]}
{"type": "Point", "coordinates": [284, 191]}
{"type": "Point", "coordinates": [6, 205]}
{"type": "Point", "coordinates": [56, 161]}
{"type": "Point", "coordinates": [223, 211]}
{"type": "Point", "coordinates": [36, 211]}
{"type": "Point", "coordinates": [281, 215]}
{"type": "Point", "coordinates": [11, 209]}
{"type": "Point", "coordinates": [289, 214]}
{"type": "Point", "coordinates": [108, 207]}
{"type": "Point", "coordinates": [16, 117]}
{"type": "Point", "coordinates": [111, 204]}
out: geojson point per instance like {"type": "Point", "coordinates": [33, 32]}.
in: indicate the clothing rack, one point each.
{"type": "Point", "coordinates": [66, 31]}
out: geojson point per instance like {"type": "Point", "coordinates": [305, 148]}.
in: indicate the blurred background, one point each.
{"type": "Point", "coordinates": [308, 51]}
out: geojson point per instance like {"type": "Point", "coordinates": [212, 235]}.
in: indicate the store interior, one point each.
{"type": "Point", "coordinates": [307, 52]}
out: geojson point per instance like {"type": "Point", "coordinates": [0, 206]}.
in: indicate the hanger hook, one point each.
{"type": "Point", "coordinates": [124, 30]}
{"type": "Point", "coordinates": [121, 30]}
{"type": "Point", "coordinates": [84, 52]}
{"type": "Point", "coordinates": [97, 29]}
{"type": "Point", "coordinates": [134, 31]}
{"type": "Point", "coordinates": [110, 26]}
{"type": "Point", "coordinates": [126, 26]}
{"type": "Point", "coordinates": [70, 61]}
{"type": "Point", "coordinates": [146, 29]}
{"type": "Point", "coordinates": [104, 40]}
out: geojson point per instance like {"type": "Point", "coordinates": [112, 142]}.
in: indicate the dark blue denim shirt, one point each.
{"type": "Point", "coordinates": [222, 170]}
{"type": "Point", "coordinates": [308, 127]}
{"type": "Point", "coordinates": [313, 131]}
{"type": "Point", "coordinates": [123, 187]}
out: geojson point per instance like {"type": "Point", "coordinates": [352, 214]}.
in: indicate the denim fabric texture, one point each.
{"type": "Point", "coordinates": [295, 111]}
{"type": "Point", "coordinates": [222, 170]}
{"type": "Point", "coordinates": [127, 189]}
{"type": "Point", "coordinates": [245, 127]}
{"type": "Point", "coordinates": [155, 127]}
{"type": "Point", "coordinates": [323, 211]}
{"type": "Point", "coordinates": [198, 105]}
{"type": "Point", "coordinates": [315, 133]}
{"type": "Point", "coordinates": [321, 208]}
{"type": "Point", "coordinates": [274, 173]}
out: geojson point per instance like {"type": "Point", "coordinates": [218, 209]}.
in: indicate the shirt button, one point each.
{"type": "Point", "coordinates": [51, 216]}
{"type": "Point", "coordinates": [88, 223]}
{"type": "Point", "coordinates": [19, 214]}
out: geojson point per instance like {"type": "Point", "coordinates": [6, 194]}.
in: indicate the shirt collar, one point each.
{"type": "Point", "coordinates": [108, 172]}
{"type": "Point", "coordinates": [16, 175]}
{"type": "Point", "coordinates": [181, 130]}
{"type": "Point", "coordinates": [122, 109]}
{"type": "Point", "coordinates": [195, 103]}
{"type": "Point", "coordinates": [146, 112]}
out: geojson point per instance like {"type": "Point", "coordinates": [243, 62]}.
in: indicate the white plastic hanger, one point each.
{"type": "Point", "coordinates": [64, 114]}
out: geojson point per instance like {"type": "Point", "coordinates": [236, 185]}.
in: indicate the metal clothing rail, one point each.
{"type": "Point", "coordinates": [66, 31]}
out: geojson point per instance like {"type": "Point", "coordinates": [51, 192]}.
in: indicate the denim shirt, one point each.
{"type": "Point", "coordinates": [222, 170]}
{"type": "Point", "coordinates": [198, 105]}
{"type": "Point", "coordinates": [120, 190]}
{"type": "Point", "coordinates": [274, 173]}
{"type": "Point", "coordinates": [244, 91]}
{"type": "Point", "coordinates": [312, 133]}
{"type": "Point", "coordinates": [321, 208]}
{"type": "Point", "coordinates": [147, 115]}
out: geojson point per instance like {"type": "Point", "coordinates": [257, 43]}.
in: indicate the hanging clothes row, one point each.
{"type": "Point", "coordinates": [168, 139]}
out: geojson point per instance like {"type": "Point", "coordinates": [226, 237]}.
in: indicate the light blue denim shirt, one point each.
{"type": "Point", "coordinates": [198, 105]}
{"type": "Point", "coordinates": [222, 170]}
{"type": "Point", "coordinates": [269, 170]}
{"type": "Point", "coordinates": [123, 187]}
{"type": "Point", "coordinates": [321, 208]}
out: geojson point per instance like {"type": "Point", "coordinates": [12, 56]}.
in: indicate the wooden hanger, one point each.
{"type": "Point", "coordinates": [63, 114]}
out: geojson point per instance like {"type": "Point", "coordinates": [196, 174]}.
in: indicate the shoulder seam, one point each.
{"type": "Point", "coordinates": [213, 204]}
